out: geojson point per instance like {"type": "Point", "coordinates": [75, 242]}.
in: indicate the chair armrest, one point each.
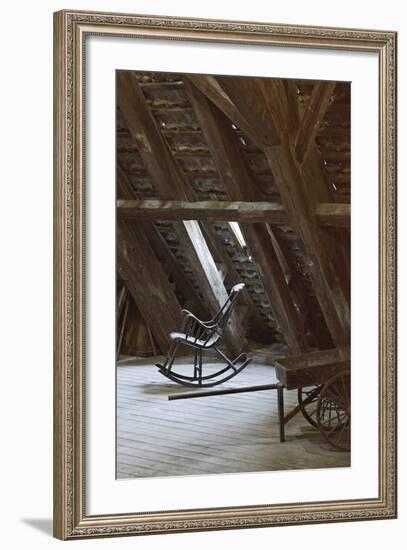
{"type": "Point", "coordinates": [195, 328]}
{"type": "Point", "coordinates": [188, 315]}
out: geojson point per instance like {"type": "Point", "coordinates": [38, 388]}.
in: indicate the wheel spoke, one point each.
{"type": "Point", "coordinates": [346, 392]}
{"type": "Point", "coordinates": [333, 416]}
{"type": "Point", "coordinates": [307, 400]}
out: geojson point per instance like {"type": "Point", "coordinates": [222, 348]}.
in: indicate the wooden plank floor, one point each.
{"type": "Point", "coordinates": [222, 434]}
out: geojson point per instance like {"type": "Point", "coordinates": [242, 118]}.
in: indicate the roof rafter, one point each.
{"type": "Point", "coordinates": [309, 125]}
{"type": "Point", "coordinates": [261, 128]}
{"type": "Point", "coordinates": [144, 277]}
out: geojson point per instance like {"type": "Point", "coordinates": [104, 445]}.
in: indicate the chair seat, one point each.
{"type": "Point", "coordinates": [181, 337]}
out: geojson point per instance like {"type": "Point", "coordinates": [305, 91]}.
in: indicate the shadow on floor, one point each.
{"type": "Point", "coordinates": [40, 524]}
{"type": "Point", "coordinates": [164, 388]}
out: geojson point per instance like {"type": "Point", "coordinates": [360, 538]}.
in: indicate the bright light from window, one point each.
{"type": "Point", "coordinates": [238, 233]}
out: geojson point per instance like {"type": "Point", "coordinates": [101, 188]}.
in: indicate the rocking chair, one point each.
{"type": "Point", "coordinates": [202, 336]}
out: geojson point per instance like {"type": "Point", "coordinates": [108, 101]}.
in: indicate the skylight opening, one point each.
{"type": "Point", "coordinates": [235, 227]}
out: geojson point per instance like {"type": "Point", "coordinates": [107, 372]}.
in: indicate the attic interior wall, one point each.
{"type": "Point", "coordinates": [177, 122]}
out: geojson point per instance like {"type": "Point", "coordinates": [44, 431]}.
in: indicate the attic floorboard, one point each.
{"type": "Point", "coordinates": [222, 434]}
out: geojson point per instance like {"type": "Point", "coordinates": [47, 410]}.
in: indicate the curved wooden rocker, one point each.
{"type": "Point", "coordinates": [204, 335]}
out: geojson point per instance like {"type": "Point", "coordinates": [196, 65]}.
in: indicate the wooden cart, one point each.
{"type": "Point", "coordinates": [322, 380]}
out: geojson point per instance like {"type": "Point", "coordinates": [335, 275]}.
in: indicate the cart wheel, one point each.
{"type": "Point", "coordinates": [333, 411]}
{"type": "Point", "coordinates": [307, 399]}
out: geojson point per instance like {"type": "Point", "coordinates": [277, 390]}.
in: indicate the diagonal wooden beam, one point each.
{"type": "Point", "coordinates": [175, 273]}
{"type": "Point", "coordinates": [134, 263]}
{"type": "Point", "coordinates": [160, 247]}
{"type": "Point", "coordinates": [147, 283]}
{"type": "Point", "coordinates": [221, 253]}
{"type": "Point", "coordinates": [291, 92]}
{"type": "Point", "coordinates": [247, 310]}
{"type": "Point", "coordinates": [309, 308]}
{"type": "Point", "coordinates": [261, 129]}
{"type": "Point", "coordinates": [225, 151]}
{"type": "Point", "coordinates": [300, 211]}
{"type": "Point", "coordinates": [170, 183]}
{"type": "Point", "coordinates": [298, 205]}
{"type": "Point", "coordinates": [318, 185]}
{"type": "Point", "coordinates": [318, 104]}
{"type": "Point", "coordinates": [164, 171]}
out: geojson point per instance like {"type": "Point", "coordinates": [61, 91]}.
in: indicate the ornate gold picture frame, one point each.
{"type": "Point", "coordinates": [72, 518]}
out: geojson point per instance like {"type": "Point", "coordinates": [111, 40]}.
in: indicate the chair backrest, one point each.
{"type": "Point", "coordinates": [222, 317]}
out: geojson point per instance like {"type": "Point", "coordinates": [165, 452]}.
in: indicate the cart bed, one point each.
{"type": "Point", "coordinates": [311, 369]}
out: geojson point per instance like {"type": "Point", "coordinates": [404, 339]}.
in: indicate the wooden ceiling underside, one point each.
{"type": "Point", "coordinates": [273, 155]}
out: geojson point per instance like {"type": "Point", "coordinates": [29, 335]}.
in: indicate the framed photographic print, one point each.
{"type": "Point", "coordinates": [225, 274]}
